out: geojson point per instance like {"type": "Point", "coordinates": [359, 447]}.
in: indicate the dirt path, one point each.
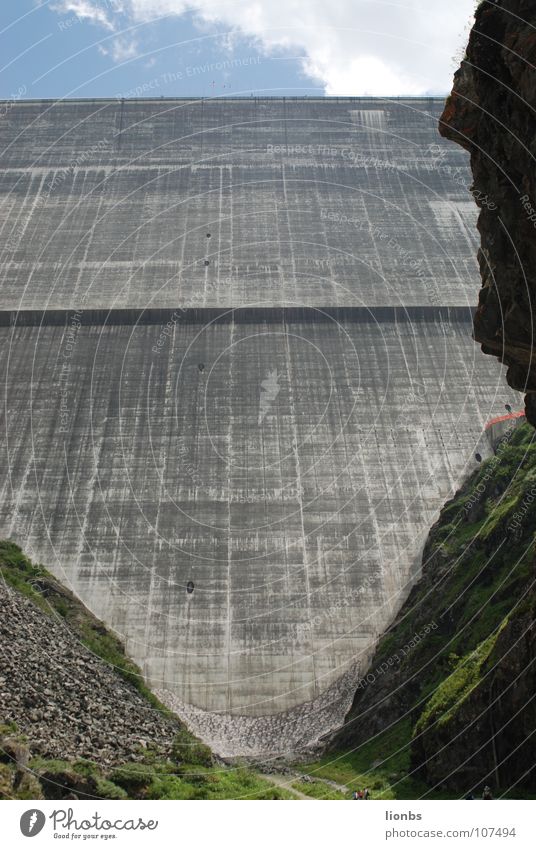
{"type": "Point", "coordinates": [285, 783]}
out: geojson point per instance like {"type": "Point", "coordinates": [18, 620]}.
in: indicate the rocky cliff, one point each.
{"type": "Point", "coordinates": [491, 113]}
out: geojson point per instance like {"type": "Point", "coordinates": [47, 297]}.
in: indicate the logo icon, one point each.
{"type": "Point", "coordinates": [270, 389]}
{"type": "Point", "coordinates": [32, 822]}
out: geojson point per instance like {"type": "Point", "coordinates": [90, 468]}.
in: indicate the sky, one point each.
{"type": "Point", "coordinates": [221, 48]}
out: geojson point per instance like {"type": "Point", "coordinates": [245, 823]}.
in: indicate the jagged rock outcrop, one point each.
{"type": "Point", "coordinates": [491, 113]}
{"type": "Point", "coordinates": [490, 736]}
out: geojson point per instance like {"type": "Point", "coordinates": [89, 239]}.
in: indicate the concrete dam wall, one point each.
{"type": "Point", "coordinates": [239, 384]}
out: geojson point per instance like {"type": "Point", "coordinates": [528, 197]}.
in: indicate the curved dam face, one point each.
{"type": "Point", "coordinates": [239, 384]}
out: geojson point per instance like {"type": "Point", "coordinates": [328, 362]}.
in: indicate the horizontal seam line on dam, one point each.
{"type": "Point", "coordinates": [195, 315]}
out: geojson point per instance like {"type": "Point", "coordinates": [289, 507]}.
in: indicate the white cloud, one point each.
{"type": "Point", "coordinates": [123, 49]}
{"type": "Point", "coordinates": [87, 11]}
{"type": "Point", "coordinates": [380, 47]}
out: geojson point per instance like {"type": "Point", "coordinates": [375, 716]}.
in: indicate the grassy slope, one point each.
{"type": "Point", "coordinates": [191, 773]}
{"type": "Point", "coordinates": [477, 568]}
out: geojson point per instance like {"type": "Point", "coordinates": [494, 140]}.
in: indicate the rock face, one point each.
{"type": "Point", "coordinates": [490, 736]}
{"type": "Point", "coordinates": [491, 113]}
{"type": "Point", "coordinates": [68, 701]}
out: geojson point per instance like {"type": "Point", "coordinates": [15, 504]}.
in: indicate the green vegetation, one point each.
{"type": "Point", "coordinates": [191, 750]}
{"type": "Point", "coordinates": [381, 764]}
{"type": "Point", "coordinates": [42, 778]}
{"type": "Point", "coordinates": [450, 694]}
{"type": "Point", "coordinates": [320, 790]}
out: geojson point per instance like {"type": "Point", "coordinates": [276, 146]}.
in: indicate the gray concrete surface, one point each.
{"type": "Point", "coordinates": [279, 427]}
{"type": "Point", "coordinates": [350, 202]}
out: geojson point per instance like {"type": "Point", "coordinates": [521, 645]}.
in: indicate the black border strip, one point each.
{"type": "Point", "coordinates": [244, 315]}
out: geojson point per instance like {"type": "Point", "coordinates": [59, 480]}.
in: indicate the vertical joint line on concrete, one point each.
{"type": "Point", "coordinates": [120, 133]}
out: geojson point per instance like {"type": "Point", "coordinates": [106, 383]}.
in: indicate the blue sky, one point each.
{"type": "Point", "coordinates": [102, 48]}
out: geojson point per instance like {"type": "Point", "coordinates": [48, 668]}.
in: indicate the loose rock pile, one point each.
{"type": "Point", "coordinates": [69, 702]}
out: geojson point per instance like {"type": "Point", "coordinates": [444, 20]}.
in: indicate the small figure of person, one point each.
{"type": "Point", "coordinates": [366, 794]}
{"type": "Point", "coordinates": [359, 794]}
{"type": "Point", "coordinates": [354, 795]}
{"type": "Point", "coordinates": [487, 794]}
